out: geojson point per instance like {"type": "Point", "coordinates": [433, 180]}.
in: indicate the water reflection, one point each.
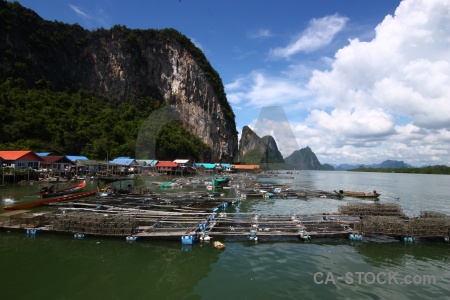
{"type": "Point", "coordinates": [97, 268]}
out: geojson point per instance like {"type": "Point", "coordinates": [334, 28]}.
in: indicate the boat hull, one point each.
{"type": "Point", "coordinates": [373, 194]}
{"type": "Point", "coordinates": [70, 190]}
{"type": "Point", "coordinates": [63, 198]}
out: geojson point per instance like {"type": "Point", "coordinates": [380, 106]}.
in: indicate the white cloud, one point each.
{"type": "Point", "coordinates": [403, 72]}
{"type": "Point", "coordinates": [387, 98]}
{"type": "Point", "coordinates": [260, 34]}
{"type": "Point", "coordinates": [319, 33]}
{"type": "Point", "coordinates": [258, 89]}
{"type": "Point", "coordinates": [357, 126]}
{"type": "Point", "coordinates": [97, 17]}
{"type": "Point", "coordinates": [79, 12]}
{"type": "Point", "coordinates": [197, 44]}
{"type": "Point", "coordinates": [405, 69]}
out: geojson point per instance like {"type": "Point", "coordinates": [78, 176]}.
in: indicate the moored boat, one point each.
{"type": "Point", "coordinates": [52, 200]}
{"type": "Point", "coordinates": [220, 182]}
{"type": "Point", "coordinates": [50, 192]}
{"type": "Point", "coordinates": [372, 194]}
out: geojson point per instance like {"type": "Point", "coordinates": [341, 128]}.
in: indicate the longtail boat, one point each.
{"type": "Point", "coordinates": [48, 193]}
{"type": "Point", "coordinates": [63, 198]}
{"type": "Point", "coordinates": [343, 193]}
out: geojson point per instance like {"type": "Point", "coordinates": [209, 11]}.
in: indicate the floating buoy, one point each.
{"type": "Point", "coordinates": [205, 238]}
{"type": "Point", "coordinates": [131, 238]}
{"type": "Point", "coordinates": [409, 239]}
{"type": "Point", "coordinates": [31, 231]}
{"type": "Point", "coordinates": [78, 236]}
{"type": "Point", "coordinates": [355, 237]}
{"type": "Point", "coordinates": [253, 238]}
{"type": "Point", "coordinates": [187, 239]}
{"type": "Point", "coordinates": [219, 245]}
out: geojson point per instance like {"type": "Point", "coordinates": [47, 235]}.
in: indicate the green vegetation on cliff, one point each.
{"type": "Point", "coordinates": [58, 94]}
{"type": "Point", "coordinates": [69, 123]}
{"type": "Point", "coordinates": [174, 141]}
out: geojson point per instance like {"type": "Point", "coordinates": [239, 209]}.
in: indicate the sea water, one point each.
{"type": "Point", "coordinates": [53, 266]}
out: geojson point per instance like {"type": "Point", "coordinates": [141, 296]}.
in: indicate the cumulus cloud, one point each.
{"type": "Point", "coordinates": [404, 72]}
{"type": "Point", "coordinates": [319, 33]}
{"type": "Point", "coordinates": [259, 89]}
{"type": "Point", "coordinates": [405, 69]}
{"type": "Point", "coordinates": [386, 98]}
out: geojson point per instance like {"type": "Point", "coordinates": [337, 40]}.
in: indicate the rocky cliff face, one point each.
{"type": "Point", "coordinates": [305, 159]}
{"type": "Point", "coordinates": [121, 64]}
{"type": "Point", "coordinates": [256, 150]}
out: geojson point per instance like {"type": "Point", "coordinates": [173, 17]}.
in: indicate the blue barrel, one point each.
{"type": "Point", "coordinates": [187, 239]}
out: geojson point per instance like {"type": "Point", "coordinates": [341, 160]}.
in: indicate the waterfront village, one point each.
{"type": "Point", "coordinates": [194, 208]}
{"type": "Point", "coordinates": [20, 165]}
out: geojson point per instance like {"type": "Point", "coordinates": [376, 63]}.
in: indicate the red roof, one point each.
{"type": "Point", "coordinates": [170, 164]}
{"type": "Point", "coordinates": [19, 155]}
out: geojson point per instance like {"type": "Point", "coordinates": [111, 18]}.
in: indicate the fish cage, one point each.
{"type": "Point", "coordinates": [418, 227]}
{"type": "Point", "coordinates": [372, 209]}
{"type": "Point", "coordinates": [95, 224]}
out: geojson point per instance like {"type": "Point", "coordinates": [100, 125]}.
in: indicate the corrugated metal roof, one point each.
{"type": "Point", "coordinates": [148, 162]}
{"type": "Point", "coordinates": [16, 155]}
{"type": "Point", "coordinates": [75, 157]}
{"type": "Point", "coordinates": [246, 167]}
{"type": "Point", "coordinates": [54, 159]}
{"type": "Point", "coordinates": [206, 166]}
{"type": "Point", "coordinates": [88, 162]}
{"type": "Point", "coordinates": [166, 164]}
{"type": "Point", "coordinates": [123, 161]}
{"type": "Point", "coordinates": [181, 161]}
{"type": "Point", "coordinates": [43, 153]}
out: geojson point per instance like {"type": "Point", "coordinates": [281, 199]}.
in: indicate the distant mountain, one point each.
{"type": "Point", "coordinates": [392, 164]}
{"type": "Point", "coordinates": [305, 159]}
{"type": "Point", "coordinates": [256, 150]}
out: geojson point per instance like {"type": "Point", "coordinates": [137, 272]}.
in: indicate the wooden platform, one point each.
{"type": "Point", "coordinates": [152, 216]}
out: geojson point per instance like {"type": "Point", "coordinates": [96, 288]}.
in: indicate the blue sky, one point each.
{"type": "Point", "coordinates": [359, 81]}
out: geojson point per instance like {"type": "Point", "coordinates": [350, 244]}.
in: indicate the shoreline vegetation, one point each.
{"type": "Point", "coordinates": [437, 169]}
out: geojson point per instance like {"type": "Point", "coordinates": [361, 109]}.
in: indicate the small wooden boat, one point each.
{"type": "Point", "coordinates": [343, 193]}
{"type": "Point", "coordinates": [63, 198]}
{"type": "Point", "coordinates": [221, 182]}
{"type": "Point", "coordinates": [50, 193]}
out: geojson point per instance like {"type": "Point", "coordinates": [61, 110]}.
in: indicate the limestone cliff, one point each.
{"type": "Point", "coordinates": [256, 150]}
{"type": "Point", "coordinates": [305, 159]}
{"type": "Point", "coordinates": [120, 64]}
